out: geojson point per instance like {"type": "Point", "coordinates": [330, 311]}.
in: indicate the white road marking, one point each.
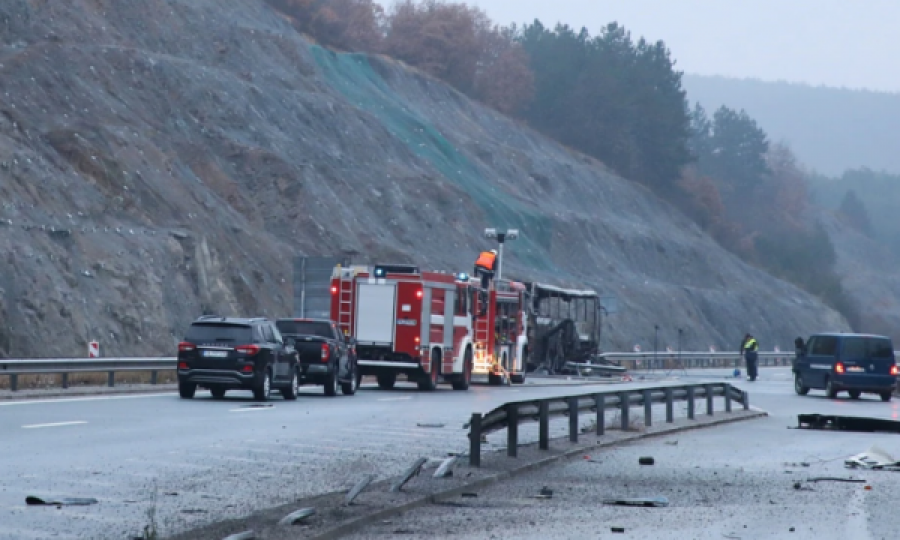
{"type": "Point", "coordinates": [252, 409]}
{"type": "Point", "coordinates": [71, 400]}
{"type": "Point", "coordinates": [54, 424]}
{"type": "Point", "coordinates": [395, 398]}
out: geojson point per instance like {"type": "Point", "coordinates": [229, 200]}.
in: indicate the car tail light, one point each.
{"type": "Point", "coordinates": [894, 370]}
{"type": "Point", "coordinates": [839, 367]}
{"type": "Point", "coordinates": [326, 352]}
{"type": "Point", "coordinates": [248, 368]}
{"type": "Point", "coordinates": [249, 350]}
{"type": "Point", "coordinates": [182, 365]}
{"type": "Point", "coordinates": [186, 346]}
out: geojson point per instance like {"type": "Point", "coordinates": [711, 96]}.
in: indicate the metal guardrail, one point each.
{"type": "Point", "coordinates": [64, 366]}
{"type": "Point", "coordinates": [512, 414]}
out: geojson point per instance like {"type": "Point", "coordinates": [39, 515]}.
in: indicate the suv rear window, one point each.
{"type": "Point", "coordinates": [306, 328]}
{"type": "Point", "coordinates": [219, 333]}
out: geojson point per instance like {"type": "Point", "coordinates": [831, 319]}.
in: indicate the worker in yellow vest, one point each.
{"type": "Point", "coordinates": [749, 348]}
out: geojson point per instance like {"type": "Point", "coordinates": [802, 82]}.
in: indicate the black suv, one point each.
{"type": "Point", "coordinates": [326, 357]}
{"type": "Point", "coordinates": [222, 353]}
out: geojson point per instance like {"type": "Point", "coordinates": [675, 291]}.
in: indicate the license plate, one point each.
{"type": "Point", "coordinates": [215, 354]}
{"type": "Point", "coordinates": [855, 368]}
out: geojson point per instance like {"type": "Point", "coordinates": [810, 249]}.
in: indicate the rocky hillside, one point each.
{"type": "Point", "coordinates": [165, 157]}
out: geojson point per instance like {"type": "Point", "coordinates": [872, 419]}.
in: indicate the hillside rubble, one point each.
{"type": "Point", "coordinates": [163, 158]}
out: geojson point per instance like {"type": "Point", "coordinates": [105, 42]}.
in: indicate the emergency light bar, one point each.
{"type": "Point", "coordinates": [383, 270]}
{"type": "Point", "coordinates": [462, 276]}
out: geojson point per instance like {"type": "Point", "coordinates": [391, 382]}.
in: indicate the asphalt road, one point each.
{"type": "Point", "coordinates": [179, 464]}
{"type": "Point", "coordinates": [731, 482]}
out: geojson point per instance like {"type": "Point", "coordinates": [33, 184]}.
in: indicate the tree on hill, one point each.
{"type": "Point", "coordinates": [350, 25]}
{"type": "Point", "coordinates": [854, 211]}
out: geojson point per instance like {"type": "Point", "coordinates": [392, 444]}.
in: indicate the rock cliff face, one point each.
{"type": "Point", "coordinates": [163, 158]}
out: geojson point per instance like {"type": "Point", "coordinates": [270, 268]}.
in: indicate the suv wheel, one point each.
{"type": "Point", "coordinates": [854, 394]}
{"type": "Point", "coordinates": [886, 396]}
{"type": "Point", "coordinates": [798, 385]}
{"type": "Point", "coordinates": [290, 393]}
{"type": "Point", "coordinates": [386, 381]}
{"type": "Point", "coordinates": [264, 390]}
{"type": "Point", "coordinates": [331, 383]}
{"type": "Point", "coordinates": [349, 388]}
{"type": "Point", "coordinates": [217, 393]}
{"type": "Point", "coordinates": [830, 390]}
{"type": "Point", "coordinates": [186, 390]}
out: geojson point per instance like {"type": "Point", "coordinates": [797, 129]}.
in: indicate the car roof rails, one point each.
{"type": "Point", "coordinates": [209, 317]}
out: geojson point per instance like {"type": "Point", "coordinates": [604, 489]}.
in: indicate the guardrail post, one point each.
{"type": "Point", "coordinates": [111, 378]}
{"type": "Point", "coordinates": [573, 419]}
{"type": "Point", "coordinates": [690, 402]}
{"type": "Point", "coordinates": [708, 388]}
{"type": "Point", "coordinates": [512, 429]}
{"type": "Point", "coordinates": [13, 382]}
{"type": "Point", "coordinates": [153, 377]}
{"type": "Point", "coordinates": [670, 406]}
{"type": "Point", "coordinates": [648, 408]}
{"type": "Point", "coordinates": [623, 410]}
{"type": "Point", "coordinates": [544, 425]}
{"type": "Point", "coordinates": [65, 380]}
{"type": "Point", "coordinates": [727, 388]}
{"type": "Point", "coordinates": [475, 440]}
{"type": "Point", "coordinates": [745, 399]}
{"type": "Point", "coordinates": [600, 402]}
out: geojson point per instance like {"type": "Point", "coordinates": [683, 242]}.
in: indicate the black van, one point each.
{"type": "Point", "coordinates": [856, 363]}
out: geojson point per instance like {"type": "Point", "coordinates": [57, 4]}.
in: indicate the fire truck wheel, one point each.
{"type": "Point", "coordinates": [386, 381]}
{"type": "Point", "coordinates": [428, 381]}
{"type": "Point", "coordinates": [518, 379]}
{"type": "Point", "coordinates": [463, 382]}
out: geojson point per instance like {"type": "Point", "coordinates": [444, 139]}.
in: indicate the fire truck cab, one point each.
{"type": "Point", "coordinates": [406, 322]}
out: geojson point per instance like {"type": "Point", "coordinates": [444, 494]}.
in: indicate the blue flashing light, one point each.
{"type": "Point", "coordinates": [462, 276]}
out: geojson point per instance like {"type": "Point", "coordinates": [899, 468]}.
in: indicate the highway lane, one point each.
{"type": "Point", "coordinates": [192, 462]}
{"type": "Point", "coordinates": [734, 481]}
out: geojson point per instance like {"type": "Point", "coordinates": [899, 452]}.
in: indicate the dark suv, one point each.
{"type": "Point", "coordinates": [221, 354]}
{"type": "Point", "coordinates": [326, 357]}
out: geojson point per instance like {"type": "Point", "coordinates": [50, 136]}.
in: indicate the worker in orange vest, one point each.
{"type": "Point", "coordinates": [484, 267]}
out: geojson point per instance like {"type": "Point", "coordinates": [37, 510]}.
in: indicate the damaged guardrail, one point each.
{"type": "Point", "coordinates": [512, 414]}
{"type": "Point", "coordinates": [64, 366]}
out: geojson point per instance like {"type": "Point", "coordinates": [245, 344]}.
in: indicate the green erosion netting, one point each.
{"type": "Point", "coordinates": [353, 76]}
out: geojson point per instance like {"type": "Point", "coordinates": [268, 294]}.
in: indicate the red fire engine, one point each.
{"type": "Point", "coordinates": [431, 327]}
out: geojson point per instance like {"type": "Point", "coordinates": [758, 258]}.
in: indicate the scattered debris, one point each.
{"type": "Point", "coordinates": [731, 536]}
{"type": "Point", "coordinates": [298, 515]}
{"type": "Point", "coordinates": [617, 529]}
{"type": "Point", "coordinates": [847, 423]}
{"type": "Point", "coordinates": [171, 493]}
{"type": "Point", "coordinates": [875, 458]}
{"type": "Point", "coordinates": [246, 535]}
{"type": "Point", "coordinates": [797, 464]}
{"type": "Point", "coordinates": [430, 425]}
{"type": "Point", "coordinates": [358, 488]}
{"type": "Point", "coordinates": [672, 443]}
{"type": "Point", "coordinates": [836, 479]}
{"type": "Point", "coordinates": [468, 494]}
{"type": "Point", "coordinates": [800, 487]}
{"type": "Point", "coordinates": [646, 460]}
{"type": "Point", "coordinates": [193, 511]}
{"type": "Point", "coordinates": [407, 476]}
{"type": "Point", "coordinates": [259, 406]}
{"type": "Point", "coordinates": [791, 529]}
{"type": "Point", "coordinates": [639, 501]}
{"type": "Point", "coordinates": [31, 500]}
{"type": "Point", "coordinates": [546, 493]}
{"type": "Point", "coordinates": [446, 468]}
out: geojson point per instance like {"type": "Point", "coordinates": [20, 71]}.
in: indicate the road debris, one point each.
{"type": "Point", "coordinates": [298, 515]}
{"type": "Point", "coordinates": [875, 459]}
{"type": "Point", "coordinates": [639, 501]}
{"type": "Point", "coordinates": [246, 535]}
{"type": "Point", "coordinates": [546, 493]}
{"type": "Point", "coordinates": [836, 479]}
{"type": "Point", "coordinates": [407, 476]}
{"type": "Point", "coordinates": [446, 468]}
{"type": "Point", "coordinates": [672, 443]}
{"type": "Point", "coordinates": [646, 460]}
{"type": "Point", "coordinates": [617, 529]}
{"type": "Point", "coordinates": [847, 423]}
{"type": "Point", "coordinates": [426, 425]}
{"type": "Point", "coordinates": [469, 494]}
{"type": "Point", "coordinates": [358, 488]}
{"type": "Point", "coordinates": [31, 500]}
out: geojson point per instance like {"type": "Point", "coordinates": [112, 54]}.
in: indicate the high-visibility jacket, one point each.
{"type": "Point", "coordinates": [486, 260]}
{"type": "Point", "coordinates": [751, 345]}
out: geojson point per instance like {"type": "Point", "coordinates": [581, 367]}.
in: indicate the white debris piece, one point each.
{"type": "Point", "coordinates": [874, 458]}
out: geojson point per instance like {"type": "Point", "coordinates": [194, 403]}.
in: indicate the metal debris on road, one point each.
{"type": "Point", "coordinates": [407, 476]}
{"type": "Point", "coordinates": [639, 501]}
{"type": "Point", "coordinates": [436, 425]}
{"type": "Point", "coordinates": [31, 500]}
{"type": "Point", "coordinates": [836, 479]}
{"type": "Point", "coordinates": [358, 488]}
{"type": "Point", "coordinates": [546, 493]}
{"type": "Point", "coordinates": [469, 494]}
{"type": "Point", "coordinates": [875, 458]}
{"type": "Point", "coordinates": [617, 529]}
{"type": "Point", "coordinates": [847, 423]}
{"type": "Point", "coordinates": [246, 535]}
{"type": "Point", "coordinates": [446, 468]}
{"type": "Point", "coordinates": [646, 460]}
{"type": "Point", "coordinates": [297, 515]}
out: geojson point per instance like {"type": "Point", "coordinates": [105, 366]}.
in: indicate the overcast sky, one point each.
{"type": "Point", "coordinates": [851, 43]}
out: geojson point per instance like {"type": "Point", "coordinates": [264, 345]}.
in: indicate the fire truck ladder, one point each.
{"type": "Point", "coordinates": [345, 301]}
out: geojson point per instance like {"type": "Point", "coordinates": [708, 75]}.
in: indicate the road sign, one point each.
{"type": "Point", "coordinates": [94, 349]}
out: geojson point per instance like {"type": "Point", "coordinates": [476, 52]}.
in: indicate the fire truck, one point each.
{"type": "Point", "coordinates": [431, 327]}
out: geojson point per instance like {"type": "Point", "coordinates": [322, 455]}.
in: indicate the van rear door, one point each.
{"type": "Point", "coordinates": [867, 356]}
